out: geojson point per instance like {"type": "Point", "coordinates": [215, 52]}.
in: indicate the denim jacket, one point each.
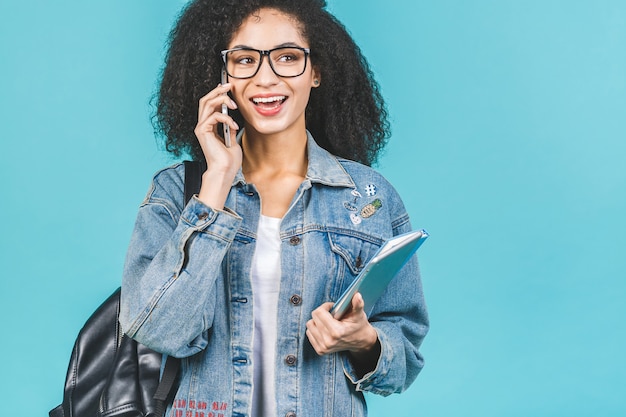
{"type": "Point", "coordinates": [187, 290]}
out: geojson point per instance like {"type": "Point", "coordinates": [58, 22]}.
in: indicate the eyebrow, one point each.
{"type": "Point", "coordinates": [282, 45]}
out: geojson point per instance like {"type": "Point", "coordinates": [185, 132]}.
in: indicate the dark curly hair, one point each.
{"type": "Point", "coordinates": [346, 114]}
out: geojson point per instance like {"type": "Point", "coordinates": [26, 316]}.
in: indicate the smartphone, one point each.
{"type": "Point", "coordinates": [225, 111]}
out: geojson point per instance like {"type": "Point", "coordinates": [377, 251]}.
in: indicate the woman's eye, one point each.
{"type": "Point", "coordinates": [287, 58]}
{"type": "Point", "coordinates": [242, 58]}
{"type": "Point", "coordinates": [245, 60]}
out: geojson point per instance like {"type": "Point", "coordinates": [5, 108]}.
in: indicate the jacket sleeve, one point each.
{"type": "Point", "coordinates": [401, 321]}
{"type": "Point", "coordinates": [172, 264]}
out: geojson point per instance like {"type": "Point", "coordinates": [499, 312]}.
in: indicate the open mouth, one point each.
{"type": "Point", "coordinates": [269, 102]}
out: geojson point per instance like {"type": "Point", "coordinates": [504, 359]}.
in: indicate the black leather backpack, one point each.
{"type": "Point", "coordinates": [111, 375]}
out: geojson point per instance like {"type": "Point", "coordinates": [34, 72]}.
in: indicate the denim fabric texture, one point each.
{"type": "Point", "coordinates": [187, 291]}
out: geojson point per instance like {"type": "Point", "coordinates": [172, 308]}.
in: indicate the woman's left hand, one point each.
{"type": "Point", "coordinates": [353, 332]}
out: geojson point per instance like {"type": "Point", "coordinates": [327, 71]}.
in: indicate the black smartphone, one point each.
{"type": "Point", "coordinates": [225, 111]}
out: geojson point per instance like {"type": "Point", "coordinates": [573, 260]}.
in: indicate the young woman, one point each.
{"type": "Point", "coordinates": [239, 282]}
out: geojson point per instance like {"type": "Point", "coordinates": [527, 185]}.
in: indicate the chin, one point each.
{"type": "Point", "coordinates": [273, 127]}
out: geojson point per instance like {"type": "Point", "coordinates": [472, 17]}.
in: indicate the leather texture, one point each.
{"type": "Point", "coordinates": [99, 350]}
{"type": "Point", "coordinates": [132, 383]}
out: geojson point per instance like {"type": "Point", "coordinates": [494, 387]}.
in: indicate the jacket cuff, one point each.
{"type": "Point", "coordinates": [199, 217]}
{"type": "Point", "coordinates": [372, 381]}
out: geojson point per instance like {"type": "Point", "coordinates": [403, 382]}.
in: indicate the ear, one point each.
{"type": "Point", "coordinates": [317, 79]}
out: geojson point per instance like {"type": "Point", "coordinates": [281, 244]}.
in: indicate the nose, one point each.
{"type": "Point", "coordinates": [266, 74]}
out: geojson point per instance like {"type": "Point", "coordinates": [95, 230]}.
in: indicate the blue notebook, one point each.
{"type": "Point", "coordinates": [380, 270]}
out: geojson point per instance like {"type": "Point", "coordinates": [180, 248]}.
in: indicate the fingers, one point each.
{"type": "Point", "coordinates": [357, 304]}
{"type": "Point", "coordinates": [210, 113]}
{"type": "Point", "coordinates": [213, 100]}
{"type": "Point", "coordinates": [328, 335]}
{"type": "Point", "coordinates": [209, 125]}
{"type": "Point", "coordinates": [321, 331]}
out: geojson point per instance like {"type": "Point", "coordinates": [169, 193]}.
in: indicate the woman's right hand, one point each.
{"type": "Point", "coordinates": [222, 162]}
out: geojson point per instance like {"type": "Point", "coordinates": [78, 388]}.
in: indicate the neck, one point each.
{"type": "Point", "coordinates": [275, 153]}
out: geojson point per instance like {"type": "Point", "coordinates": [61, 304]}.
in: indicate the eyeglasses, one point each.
{"type": "Point", "coordinates": [286, 62]}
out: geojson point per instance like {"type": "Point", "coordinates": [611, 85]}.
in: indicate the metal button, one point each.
{"type": "Point", "coordinates": [296, 300]}
{"type": "Point", "coordinates": [290, 414]}
{"type": "Point", "coordinates": [291, 360]}
{"type": "Point", "coordinates": [295, 240]}
{"type": "Point", "coordinates": [203, 216]}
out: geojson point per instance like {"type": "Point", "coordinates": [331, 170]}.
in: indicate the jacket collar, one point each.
{"type": "Point", "coordinates": [323, 168]}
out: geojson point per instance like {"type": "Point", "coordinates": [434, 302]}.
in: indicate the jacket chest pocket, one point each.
{"type": "Point", "coordinates": [352, 254]}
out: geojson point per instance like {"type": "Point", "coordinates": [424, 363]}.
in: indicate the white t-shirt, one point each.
{"type": "Point", "coordinates": [265, 287]}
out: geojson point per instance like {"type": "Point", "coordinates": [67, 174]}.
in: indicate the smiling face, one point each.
{"type": "Point", "coordinates": [271, 104]}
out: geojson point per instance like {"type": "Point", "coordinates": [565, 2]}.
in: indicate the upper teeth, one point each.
{"type": "Point", "coordinates": [267, 99]}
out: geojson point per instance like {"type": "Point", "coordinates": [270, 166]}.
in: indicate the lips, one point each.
{"type": "Point", "coordinates": [268, 105]}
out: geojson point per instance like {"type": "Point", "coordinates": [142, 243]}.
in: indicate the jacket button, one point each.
{"type": "Point", "coordinates": [290, 360]}
{"type": "Point", "coordinates": [296, 300]}
{"type": "Point", "coordinates": [294, 241]}
{"type": "Point", "coordinates": [290, 414]}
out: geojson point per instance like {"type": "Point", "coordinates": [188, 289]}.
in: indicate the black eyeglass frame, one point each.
{"type": "Point", "coordinates": [263, 53]}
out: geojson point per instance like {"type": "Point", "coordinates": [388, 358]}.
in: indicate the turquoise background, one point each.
{"type": "Point", "coordinates": [509, 121]}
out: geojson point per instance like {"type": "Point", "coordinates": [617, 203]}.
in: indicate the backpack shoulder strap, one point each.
{"type": "Point", "coordinates": [193, 178]}
{"type": "Point", "coordinates": [164, 390]}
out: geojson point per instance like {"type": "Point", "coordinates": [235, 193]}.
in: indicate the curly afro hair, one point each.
{"type": "Point", "coordinates": [346, 114]}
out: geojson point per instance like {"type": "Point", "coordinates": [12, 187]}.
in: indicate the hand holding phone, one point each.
{"type": "Point", "coordinates": [225, 111]}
